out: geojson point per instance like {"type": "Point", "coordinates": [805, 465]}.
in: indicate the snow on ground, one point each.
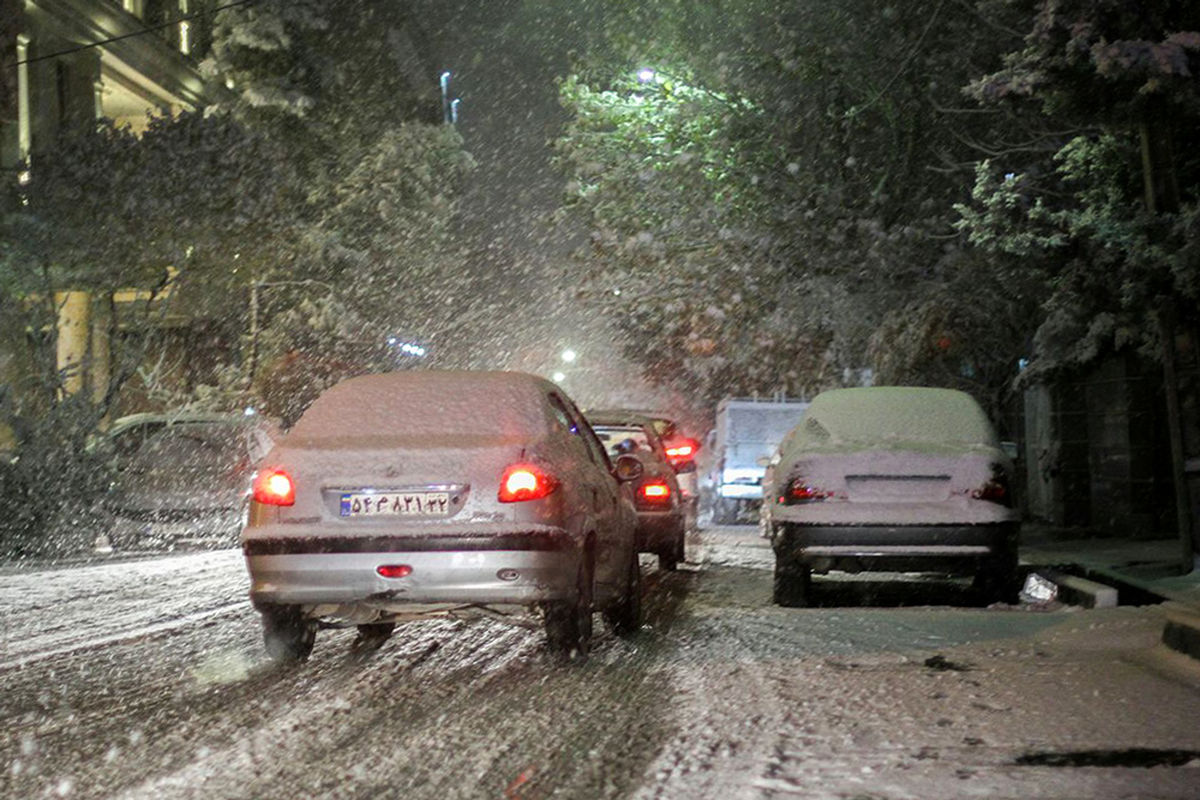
{"type": "Point", "coordinates": [896, 689]}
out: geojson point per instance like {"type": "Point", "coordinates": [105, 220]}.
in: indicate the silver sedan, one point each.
{"type": "Point", "coordinates": [410, 494]}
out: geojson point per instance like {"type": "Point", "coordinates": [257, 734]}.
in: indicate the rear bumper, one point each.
{"type": "Point", "coordinates": [948, 548]}
{"type": "Point", "coordinates": [514, 568]}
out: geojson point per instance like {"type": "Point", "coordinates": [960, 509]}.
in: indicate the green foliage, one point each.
{"type": "Point", "coordinates": [1121, 76]}
{"type": "Point", "coordinates": [783, 191]}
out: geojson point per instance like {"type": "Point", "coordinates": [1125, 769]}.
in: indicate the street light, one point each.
{"type": "Point", "coordinates": [445, 84]}
{"type": "Point", "coordinates": [645, 75]}
{"type": "Point", "coordinates": [568, 356]}
{"type": "Point", "coordinates": [559, 377]}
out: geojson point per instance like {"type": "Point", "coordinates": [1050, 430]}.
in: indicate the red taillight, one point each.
{"type": "Point", "coordinates": [798, 493]}
{"type": "Point", "coordinates": [996, 490]}
{"type": "Point", "coordinates": [655, 491]}
{"type": "Point", "coordinates": [274, 488]}
{"type": "Point", "coordinates": [394, 570]}
{"type": "Point", "coordinates": [525, 482]}
{"type": "Point", "coordinates": [681, 450]}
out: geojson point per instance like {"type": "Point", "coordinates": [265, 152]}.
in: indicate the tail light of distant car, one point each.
{"type": "Point", "coordinates": [681, 450]}
{"type": "Point", "coordinates": [274, 487]}
{"type": "Point", "coordinates": [654, 492]}
{"type": "Point", "coordinates": [995, 490]}
{"type": "Point", "coordinates": [522, 482]}
{"type": "Point", "coordinates": [799, 492]}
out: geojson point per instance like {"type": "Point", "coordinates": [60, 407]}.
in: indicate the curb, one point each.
{"type": "Point", "coordinates": [1182, 631]}
{"type": "Point", "coordinates": [1078, 591]}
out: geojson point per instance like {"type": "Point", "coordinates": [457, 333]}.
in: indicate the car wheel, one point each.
{"type": "Point", "coordinates": [372, 636]}
{"type": "Point", "coordinates": [569, 622]}
{"type": "Point", "coordinates": [793, 584]}
{"type": "Point", "coordinates": [670, 558]}
{"type": "Point", "coordinates": [288, 634]}
{"type": "Point", "coordinates": [997, 579]}
{"type": "Point", "coordinates": [626, 615]}
{"type": "Point", "coordinates": [667, 560]}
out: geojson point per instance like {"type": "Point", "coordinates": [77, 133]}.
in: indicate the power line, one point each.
{"type": "Point", "coordinates": [145, 29]}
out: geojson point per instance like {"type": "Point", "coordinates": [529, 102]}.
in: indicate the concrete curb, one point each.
{"type": "Point", "coordinates": [1078, 591]}
{"type": "Point", "coordinates": [1182, 631]}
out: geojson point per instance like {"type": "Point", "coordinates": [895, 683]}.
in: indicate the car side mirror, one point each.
{"type": "Point", "coordinates": [628, 468]}
{"type": "Point", "coordinates": [684, 467]}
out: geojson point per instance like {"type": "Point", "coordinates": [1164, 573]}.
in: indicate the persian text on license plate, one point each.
{"type": "Point", "coordinates": [396, 504]}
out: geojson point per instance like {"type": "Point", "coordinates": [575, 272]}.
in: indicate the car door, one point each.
{"type": "Point", "coordinates": [615, 517]}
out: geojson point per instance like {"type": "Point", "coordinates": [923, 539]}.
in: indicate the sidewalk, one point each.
{"type": "Point", "coordinates": [1143, 570]}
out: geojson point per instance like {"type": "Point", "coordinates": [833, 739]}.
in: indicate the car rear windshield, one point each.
{"type": "Point", "coordinates": [426, 404]}
{"type": "Point", "coordinates": [193, 446]}
{"type": "Point", "coordinates": [614, 438]}
{"type": "Point", "coordinates": [897, 413]}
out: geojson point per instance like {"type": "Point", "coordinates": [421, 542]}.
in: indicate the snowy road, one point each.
{"type": "Point", "coordinates": [147, 679]}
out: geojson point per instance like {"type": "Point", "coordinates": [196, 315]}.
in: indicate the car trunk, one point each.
{"type": "Point", "coordinates": [466, 468]}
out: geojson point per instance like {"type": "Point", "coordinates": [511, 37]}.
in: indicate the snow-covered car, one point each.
{"type": "Point", "coordinates": [661, 509]}
{"type": "Point", "coordinates": [411, 494]}
{"type": "Point", "coordinates": [183, 479]}
{"type": "Point", "coordinates": [891, 479]}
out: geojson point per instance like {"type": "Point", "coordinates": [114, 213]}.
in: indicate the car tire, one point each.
{"type": "Point", "coordinates": [569, 622]}
{"type": "Point", "coordinates": [625, 616]}
{"type": "Point", "coordinates": [667, 560]}
{"type": "Point", "coordinates": [793, 584]}
{"type": "Point", "coordinates": [671, 558]}
{"type": "Point", "coordinates": [996, 579]}
{"type": "Point", "coordinates": [288, 634]}
{"type": "Point", "coordinates": [371, 636]}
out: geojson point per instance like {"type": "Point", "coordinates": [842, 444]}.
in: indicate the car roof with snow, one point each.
{"type": "Point", "coordinates": [428, 403]}
{"type": "Point", "coordinates": [908, 416]}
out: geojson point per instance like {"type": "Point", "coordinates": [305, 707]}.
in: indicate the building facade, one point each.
{"type": "Point", "coordinates": [67, 63]}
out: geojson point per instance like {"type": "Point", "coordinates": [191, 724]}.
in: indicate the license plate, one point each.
{"type": "Point", "coordinates": [395, 504]}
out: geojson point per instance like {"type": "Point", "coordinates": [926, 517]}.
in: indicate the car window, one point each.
{"type": "Point", "coordinates": [624, 439]}
{"type": "Point", "coordinates": [595, 448]}
{"type": "Point", "coordinates": [559, 409]}
{"type": "Point", "coordinates": [191, 446]}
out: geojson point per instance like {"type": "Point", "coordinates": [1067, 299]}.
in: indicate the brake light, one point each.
{"type": "Point", "coordinates": [394, 570]}
{"type": "Point", "coordinates": [274, 488]}
{"type": "Point", "coordinates": [655, 491]}
{"type": "Point", "coordinates": [996, 490]}
{"type": "Point", "coordinates": [522, 482]}
{"type": "Point", "coordinates": [683, 449]}
{"type": "Point", "coordinates": [799, 493]}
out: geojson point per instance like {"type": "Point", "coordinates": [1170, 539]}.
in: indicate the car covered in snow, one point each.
{"type": "Point", "coordinates": [661, 509]}
{"type": "Point", "coordinates": [420, 493]}
{"type": "Point", "coordinates": [182, 479]}
{"type": "Point", "coordinates": [891, 479]}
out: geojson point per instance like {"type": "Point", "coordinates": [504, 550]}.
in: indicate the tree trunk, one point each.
{"type": "Point", "coordinates": [1162, 197]}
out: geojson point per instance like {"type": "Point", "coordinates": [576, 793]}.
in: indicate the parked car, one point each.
{"type": "Point", "coordinates": [410, 494]}
{"type": "Point", "coordinates": [183, 479]}
{"type": "Point", "coordinates": [661, 509]}
{"type": "Point", "coordinates": [893, 479]}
